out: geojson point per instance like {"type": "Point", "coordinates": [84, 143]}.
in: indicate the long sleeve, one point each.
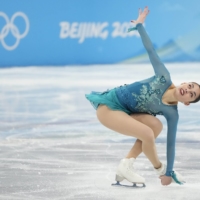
{"type": "Point", "coordinates": [172, 121]}
{"type": "Point", "coordinates": [158, 66]}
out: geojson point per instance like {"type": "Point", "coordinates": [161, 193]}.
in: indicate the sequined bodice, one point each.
{"type": "Point", "coordinates": [144, 96]}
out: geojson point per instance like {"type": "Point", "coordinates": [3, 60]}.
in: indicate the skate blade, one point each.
{"type": "Point", "coordinates": [118, 184]}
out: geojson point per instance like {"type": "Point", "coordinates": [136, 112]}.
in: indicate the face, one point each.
{"type": "Point", "coordinates": [187, 92]}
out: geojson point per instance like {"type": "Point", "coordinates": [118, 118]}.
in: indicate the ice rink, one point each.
{"type": "Point", "coordinates": [52, 147]}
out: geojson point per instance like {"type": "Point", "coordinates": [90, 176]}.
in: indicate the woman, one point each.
{"type": "Point", "coordinates": [131, 110]}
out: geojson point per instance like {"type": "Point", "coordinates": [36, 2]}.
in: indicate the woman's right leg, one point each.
{"type": "Point", "coordinates": [122, 123]}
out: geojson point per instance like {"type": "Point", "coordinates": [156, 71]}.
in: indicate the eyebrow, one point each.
{"type": "Point", "coordinates": [194, 92]}
{"type": "Point", "coordinates": [192, 85]}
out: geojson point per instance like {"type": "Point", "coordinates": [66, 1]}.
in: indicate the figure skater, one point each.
{"type": "Point", "coordinates": [131, 110]}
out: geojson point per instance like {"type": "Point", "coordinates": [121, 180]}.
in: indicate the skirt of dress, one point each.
{"type": "Point", "coordinates": [108, 98]}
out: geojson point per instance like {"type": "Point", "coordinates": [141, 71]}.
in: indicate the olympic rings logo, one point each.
{"type": "Point", "coordinates": [10, 26]}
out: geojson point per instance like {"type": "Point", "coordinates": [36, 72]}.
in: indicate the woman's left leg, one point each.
{"type": "Point", "coordinates": [152, 122]}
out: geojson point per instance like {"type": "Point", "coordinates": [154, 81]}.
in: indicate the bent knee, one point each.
{"type": "Point", "coordinates": [151, 121]}
{"type": "Point", "coordinates": [148, 135]}
{"type": "Point", "coordinates": [157, 126]}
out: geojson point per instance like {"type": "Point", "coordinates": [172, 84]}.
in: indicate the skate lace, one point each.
{"type": "Point", "coordinates": [131, 167]}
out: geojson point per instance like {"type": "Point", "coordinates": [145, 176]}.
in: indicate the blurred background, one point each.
{"type": "Point", "coordinates": [54, 52]}
{"type": "Point", "coordinates": [78, 32]}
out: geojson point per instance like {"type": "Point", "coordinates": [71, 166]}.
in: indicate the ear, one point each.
{"type": "Point", "coordinates": [186, 103]}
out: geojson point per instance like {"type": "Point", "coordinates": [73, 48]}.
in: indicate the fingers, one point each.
{"type": "Point", "coordinates": [142, 15]}
{"type": "Point", "coordinates": [146, 11]}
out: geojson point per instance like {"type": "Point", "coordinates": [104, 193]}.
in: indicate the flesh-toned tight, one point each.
{"type": "Point", "coordinates": [144, 127]}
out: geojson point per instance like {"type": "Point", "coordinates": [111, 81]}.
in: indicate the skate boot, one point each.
{"type": "Point", "coordinates": [176, 177]}
{"type": "Point", "coordinates": [126, 171]}
{"type": "Point", "coordinates": [161, 171]}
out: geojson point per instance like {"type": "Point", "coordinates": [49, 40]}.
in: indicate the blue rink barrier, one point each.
{"type": "Point", "coordinates": [67, 32]}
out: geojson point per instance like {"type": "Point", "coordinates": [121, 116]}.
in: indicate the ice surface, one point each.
{"type": "Point", "coordinates": [53, 147]}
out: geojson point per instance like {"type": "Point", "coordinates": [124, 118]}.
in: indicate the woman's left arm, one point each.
{"type": "Point", "coordinates": [157, 64]}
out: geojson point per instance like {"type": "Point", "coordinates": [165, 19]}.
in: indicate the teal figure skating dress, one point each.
{"type": "Point", "coordinates": [145, 97]}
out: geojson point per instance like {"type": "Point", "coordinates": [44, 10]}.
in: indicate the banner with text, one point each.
{"type": "Point", "coordinates": [79, 32]}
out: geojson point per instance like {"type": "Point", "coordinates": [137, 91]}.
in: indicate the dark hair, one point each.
{"type": "Point", "coordinates": [198, 98]}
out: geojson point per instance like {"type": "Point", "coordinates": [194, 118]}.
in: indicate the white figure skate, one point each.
{"type": "Point", "coordinates": [161, 171]}
{"type": "Point", "coordinates": [126, 171]}
{"type": "Point", "coordinates": [176, 177]}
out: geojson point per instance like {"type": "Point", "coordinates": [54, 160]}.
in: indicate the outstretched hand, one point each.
{"type": "Point", "coordinates": [166, 180]}
{"type": "Point", "coordinates": [142, 16]}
